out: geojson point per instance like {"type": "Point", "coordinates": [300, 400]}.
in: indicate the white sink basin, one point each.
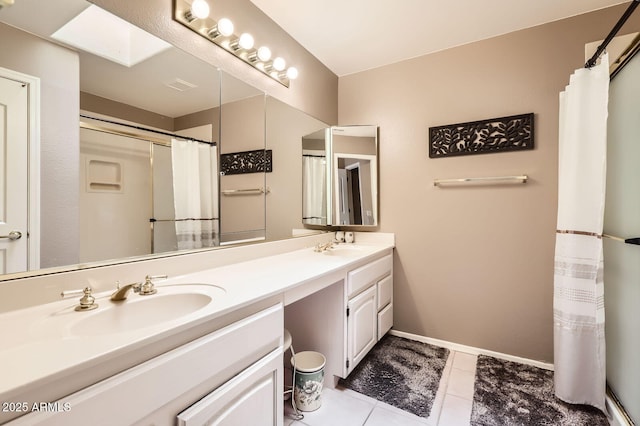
{"type": "Point", "coordinates": [137, 312]}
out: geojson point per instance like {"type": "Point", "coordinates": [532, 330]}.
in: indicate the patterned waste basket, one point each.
{"type": "Point", "coordinates": [309, 378]}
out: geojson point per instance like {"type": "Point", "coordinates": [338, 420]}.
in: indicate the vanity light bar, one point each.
{"type": "Point", "coordinates": [194, 14]}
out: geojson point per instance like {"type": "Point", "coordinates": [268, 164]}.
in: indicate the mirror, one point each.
{"type": "Point", "coordinates": [340, 176]}
{"type": "Point", "coordinates": [150, 95]}
{"type": "Point", "coordinates": [315, 182]}
{"type": "Point", "coordinates": [242, 164]}
{"type": "Point", "coordinates": [168, 91]}
{"type": "Point", "coordinates": [285, 128]}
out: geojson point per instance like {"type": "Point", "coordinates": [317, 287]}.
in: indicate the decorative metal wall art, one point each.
{"type": "Point", "coordinates": [257, 161]}
{"type": "Point", "coordinates": [511, 133]}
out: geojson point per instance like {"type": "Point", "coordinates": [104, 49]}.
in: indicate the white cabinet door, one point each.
{"type": "Point", "coordinates": [362, 327]}
{"type": "Point", "coordinates": [254, 397]}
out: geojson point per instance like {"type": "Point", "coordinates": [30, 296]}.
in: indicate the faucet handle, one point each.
{"type": "Point", "coordinates": [155, 277]}
{"type": "Point", "coordinates": [87, 301]}
{"type": "Point", "coordinates": [148, 288]}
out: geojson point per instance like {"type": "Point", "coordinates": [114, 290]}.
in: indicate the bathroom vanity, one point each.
{"type": "Point", "coordinates": [207, 346]}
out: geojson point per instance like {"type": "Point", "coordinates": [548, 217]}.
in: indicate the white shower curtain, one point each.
{"type": "Point", "coordinates": [578, 301]}
{"type": "Point", "coordinates": [195, 193]}
{"type": "Point", "coordinates": [314, 190]}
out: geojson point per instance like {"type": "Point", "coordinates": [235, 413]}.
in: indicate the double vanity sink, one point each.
{"type": "Point", "coordinates": [43, 346]}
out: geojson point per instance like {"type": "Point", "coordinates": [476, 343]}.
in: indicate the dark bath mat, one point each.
{"type": "Point", "coordinates": [401, 372]}
{"type": "Point", "coordinates": [511, 394]}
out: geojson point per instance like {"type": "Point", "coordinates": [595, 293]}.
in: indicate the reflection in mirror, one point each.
{"type": "Point", "coordinates": [340, 176]}
{"type": "Point", "coordinates": [286, 126]}
{"type": "Point", "coordinates": [106, 190]}
{"type": "Point", "coordinates": [243, 163]}
{"type": "Point", "coordinates": [314, 178]}
{"type": "Point", "coordinates": [169, 91]}
{"type": "Point", "coordinates": [355, 175]}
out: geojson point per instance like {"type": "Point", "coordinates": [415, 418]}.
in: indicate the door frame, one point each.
{"type": "Point", "coordinates": [33, 166]}
{"type": "Point", "coordinates": [350, 169]}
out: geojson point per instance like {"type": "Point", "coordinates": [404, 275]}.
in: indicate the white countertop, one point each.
{"type": "Point", "coordinates": [44, 344]}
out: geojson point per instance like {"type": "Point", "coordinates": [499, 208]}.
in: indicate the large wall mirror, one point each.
{"type": "Point", "coordinates": [285, 128]}
{"type": "Point", "coordinates": [113, 136]}
{"type": "Point", "coordinates": [340, 176]}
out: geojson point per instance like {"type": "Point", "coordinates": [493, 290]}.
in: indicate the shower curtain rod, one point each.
{"type": "Point", "coordinates": [153, 220]}
{"type": "Point", "coordinates": [634, 241]}
{"type": "Point", "coordinates": [146, 129]}
{"type": "Point", "coordinates": [632, 7]}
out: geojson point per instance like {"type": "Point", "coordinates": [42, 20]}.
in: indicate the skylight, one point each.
{"type": "Point", "coordinates": [101, 33]}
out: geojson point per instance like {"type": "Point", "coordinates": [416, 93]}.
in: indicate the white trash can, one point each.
{"type": "Point", "coordinates": [309, 378]}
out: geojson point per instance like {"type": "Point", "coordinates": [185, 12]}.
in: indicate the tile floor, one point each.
{"type": "Point", "coordinates": [452, 406]}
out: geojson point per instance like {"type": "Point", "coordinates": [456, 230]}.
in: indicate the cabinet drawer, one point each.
{"type": "Point", "coordinates": [385, 320]}
{"type": "Point", "coordinates": [363, 277]}
{"type": "Point", "coordinates": [135, 393]}
{"type": "Point", "coordinates": [385, 291]}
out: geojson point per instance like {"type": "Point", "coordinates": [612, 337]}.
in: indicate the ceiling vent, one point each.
{"type": "Point", "coordinates": [181, 85]}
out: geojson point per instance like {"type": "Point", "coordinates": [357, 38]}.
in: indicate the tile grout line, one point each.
{"type": "Point", "coordinates": [369, 415]}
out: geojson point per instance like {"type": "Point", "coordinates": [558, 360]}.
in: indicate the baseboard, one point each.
{"type": "Point", "coordinates": [471, 350]}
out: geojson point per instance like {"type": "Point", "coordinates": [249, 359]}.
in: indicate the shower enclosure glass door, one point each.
{"type": "Point", "coordinates": [622, 219]}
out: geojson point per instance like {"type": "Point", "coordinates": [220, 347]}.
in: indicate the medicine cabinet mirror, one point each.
{"type": "Point", "coordinates": [340, 176]}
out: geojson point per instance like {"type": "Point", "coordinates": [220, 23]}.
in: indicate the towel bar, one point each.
{"type": "Point", "coordinates": [492, 179]}
{"type": "Point", "coordinates": [252, 191]}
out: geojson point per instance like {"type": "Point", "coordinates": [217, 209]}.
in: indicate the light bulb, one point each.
{"type": "Point", "coordinates": [246, 41]}
{"type": "Point", "coordinates": [200, 9]}
{"type": "Point", "coordinates": [264, 53]}
{"type": "Point", "coordinates": [225, 27]}
{"type": "Point", "coordinates": [279, 64]}
{"type": "Point", "coordinates": [292, 73]}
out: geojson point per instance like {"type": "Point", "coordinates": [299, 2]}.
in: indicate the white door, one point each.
{"type": "Point", "coordinates": [14, 145]}
{"type": "Point", "coordinates": [362, 330]}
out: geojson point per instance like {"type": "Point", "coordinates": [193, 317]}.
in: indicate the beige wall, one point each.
{"type": "Point", "coordinates": [59, 71]}
{"type": "Point", "coordinates": [474, 265]}
{"type": "Point", "coordinates": [315, 91]}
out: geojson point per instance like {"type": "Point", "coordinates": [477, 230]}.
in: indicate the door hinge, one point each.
{"type": "Point", "coordinates": [347, 311]}
{"type": "Point", "coordinates": [347, 363]}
